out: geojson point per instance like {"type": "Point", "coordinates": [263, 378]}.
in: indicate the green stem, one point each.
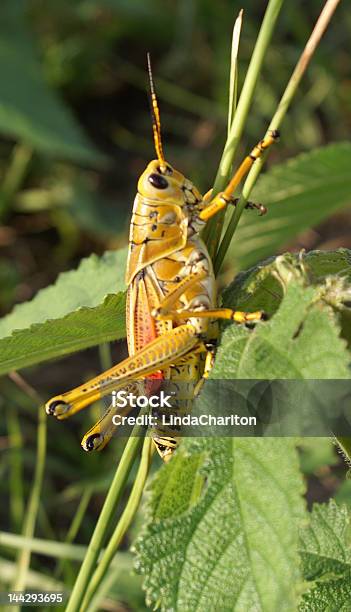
{"type": "Point", "coordinates": [115, 491]}
{"type": "Point", "coordinates": [49, 548]}
{"type": "Point", "coordinates": [23, 560]}
{"type": "Point", "coordinates": [214, 226]}
{"type": "Point", "coordinates": [123, 524]}
{"type": "Point", "coordinates": [16, 469]}
{"type": "Point", "coordinates": [75, 524]}
{"type": "Point", "coordinates": [278, 117]}
{"type": "Point", "coordinates": [106, 585]}
{"type": "Point", "coordinates": [15, 174]}
{"type": "Point", "coordinates": [105, 356]}
{"type": "Point", "coordinates": [233, 76]}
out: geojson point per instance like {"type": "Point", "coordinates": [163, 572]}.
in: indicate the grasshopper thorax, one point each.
{"type": "Point", "coordinates": [165, 214]}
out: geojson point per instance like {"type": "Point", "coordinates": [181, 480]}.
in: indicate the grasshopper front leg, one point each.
{"type": "Point", "coordinates": [221, 200]}
{"type": "Point", "coordinates": [158, 354]}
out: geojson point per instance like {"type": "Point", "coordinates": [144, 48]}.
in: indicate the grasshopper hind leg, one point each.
{"type": "Point", "coordinates": [58, 407]}
{"type": "Point", "coordinates": [156, 355]}
{"type": "Point", "coordinates": [101, 433]}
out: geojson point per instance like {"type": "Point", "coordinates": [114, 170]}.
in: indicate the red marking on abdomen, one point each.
{"type": "Point", "coordinates": [145, 332]}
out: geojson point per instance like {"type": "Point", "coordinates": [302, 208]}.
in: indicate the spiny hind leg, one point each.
{"type": "Point", "coordinates": [101, 433]}
{"type": "Point", "coordinates": [157, 355]}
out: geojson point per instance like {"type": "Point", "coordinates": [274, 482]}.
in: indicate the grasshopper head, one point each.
{"type": "Point", "coordinates": [167, 184]}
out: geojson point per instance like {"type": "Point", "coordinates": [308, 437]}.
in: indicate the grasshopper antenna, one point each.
{"type": "Point", "coordinates": [156, 123]}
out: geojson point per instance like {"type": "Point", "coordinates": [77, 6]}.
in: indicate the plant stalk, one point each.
{"type": "Point", "coordinates": [114, 494]}
{"type": "Point", "coordinates": [214, 226]}
{"type": "Point", "coordinates": [291, 88]}
{"type": "Point", "coordinates": [14, 177]}
{"type": "Point", "coordinates": [75, 525]}
{"type": "Point", "coordinates": [123, 523]}
{"type": "Point", "coordinates": [31, 512]}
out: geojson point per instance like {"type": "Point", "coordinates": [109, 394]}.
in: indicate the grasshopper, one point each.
{"type": "Point", "coordinates": [172, 310]}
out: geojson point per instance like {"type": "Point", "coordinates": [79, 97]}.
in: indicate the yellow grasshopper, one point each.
{"type": "Point", "coordinates": [171, 300]}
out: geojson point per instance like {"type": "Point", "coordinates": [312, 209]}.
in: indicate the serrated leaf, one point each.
{"type": "Point", "coordinates": [259, 287]}
{"type": "Point", "coordinates": [74, 313]}
{"type": "Point", "coordinates": [181, 476]}
{"type": "Point", "coordinates": [229, 551]}
{"type": "Point", "coordinates": [299, 194]}
{"type": "Point", "coordinates": [58, 337]}
{"type": "Point", "coordinates": [29, 109]}
{"type": "Point", "coordinates": [236, 548]}
{"type": "Point", "coordinates": [331, 596]}
{"type": "Point", "coordinates": [262, 287]}
{"type": "Point", "coordinates": [325, 551]}
{"type": "Point", "coordinates": [300, 341]}
{"type": "Point", "coordinates": [325, 543]}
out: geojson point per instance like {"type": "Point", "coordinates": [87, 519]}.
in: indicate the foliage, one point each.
{"type": "Point", "coordinates": [29, 110]}
{"type": "Point", "coordinates": [85, 307]}
{"type": "Point", "coordinates": [75, 127]}
{"type": "Point", "coordinates": [249, 504]}
{"type": "Point", "coordinates": [301, 193]}
{"type": "Point", "coordinates": [326, 559]}
{"type": "Point", "coordinates": [214, 554]}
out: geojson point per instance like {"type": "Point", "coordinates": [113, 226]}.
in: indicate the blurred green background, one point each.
{"type": "Point", "coordinates": [75, 135]}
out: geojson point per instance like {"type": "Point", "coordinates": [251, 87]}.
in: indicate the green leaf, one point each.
{"type": "Point", "coordinates": [236, 549]}
{"type": "Point", "coordinates": [87, 286]}
{"type": "Point", "coordinates": [29, 109]}
{"type": "Point", "coordinates": [180, 476]}
{"type": "Point", "coordinates": [299, 194]}
{"type": "Point", "coordinates": [263, 286]}
{"type": "Point", "coordinates": [74, 313]}
{"type": "Point", "coordinates": [326, 559]}
{"type": "Point", "coordinates": [300, 341]}
{"type": "Point", "coordinates": [58, 337]}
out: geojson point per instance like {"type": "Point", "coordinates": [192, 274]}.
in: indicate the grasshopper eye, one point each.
{"type": "Point", "coordinates": [158, 181]}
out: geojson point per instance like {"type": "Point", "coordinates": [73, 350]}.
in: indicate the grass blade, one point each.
{"type": "Point", "coordinates": [279, 115]}
{"type": "Point", "coordinates": [123, 524]}
{"type": "Point", "coordinates": [95, 546]}
{"type": "Point", "coordinates": [233, 77]}
{"type": "Point", "coordinates": [214, 226]}
{"type": "Point", "coordinates": [23, 560]}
